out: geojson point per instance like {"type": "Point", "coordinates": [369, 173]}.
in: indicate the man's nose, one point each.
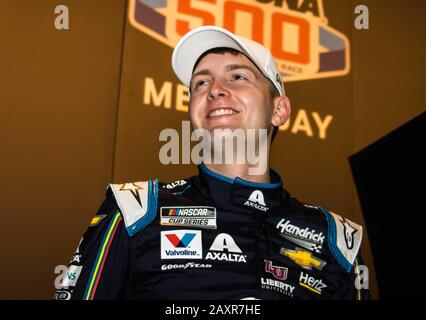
{"type": "Point", "coordinates": [217, 89]}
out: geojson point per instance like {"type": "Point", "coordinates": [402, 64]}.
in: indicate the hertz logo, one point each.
{"type": "Point", "coordinates": [296, 31]}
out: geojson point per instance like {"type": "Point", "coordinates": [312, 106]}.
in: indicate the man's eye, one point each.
{"type": "Point", "coordinates": [199, 83]}
{"type": "Point", "coordinates": [238, 77]}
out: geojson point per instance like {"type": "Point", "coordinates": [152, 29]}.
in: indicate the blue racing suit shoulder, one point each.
{"type": "Point", "coordinates": [344, 238]}
{"type": "Point", "coordinates": [137, 202]}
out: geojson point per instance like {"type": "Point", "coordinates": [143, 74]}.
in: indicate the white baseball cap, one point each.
{"type": "Point", "coordinates": [199, 40]}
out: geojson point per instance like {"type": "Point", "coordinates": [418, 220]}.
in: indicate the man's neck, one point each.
{"type": "Point", "coordinates": [239, 170]}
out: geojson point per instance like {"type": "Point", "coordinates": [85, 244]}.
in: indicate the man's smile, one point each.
{"type": "Point", "coordinates": [218, 112]}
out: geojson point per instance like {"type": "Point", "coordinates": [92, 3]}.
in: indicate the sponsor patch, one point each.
{"type": "Point", "coordinates": [190, 216]}
{"type": "Point", "coordinates": [71, 276]}
{"type": "Point", "coordinates": [224, 248]}
{"type": "Point", "coordinates": [76, 258]}
{"type": "Point", "coordinates": [181, 244]}
{"type": "Point", "coordinates": [312, 284]}
{"type": "Point", "coordinates": [184, 266]}
{"type": "Point", "coordinates": [303, 258]}
{"type": "Point", "coordinates": [279, 273]}
{"type": "Point", "coordinates": [175, 184]}
{"type": "Point", "coordinates": [305, 237]}
{"type": "Point", "coordinates": [278, 286]}
{"type": "Point", "coordinates": [62, 295]}
{"type": "Point", "coordinates": [96, 220]}
{"type": "Point", "coordinates": [257, 201]}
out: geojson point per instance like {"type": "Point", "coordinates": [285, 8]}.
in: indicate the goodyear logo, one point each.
{"type": "Point", "coordinates": [296, 31]}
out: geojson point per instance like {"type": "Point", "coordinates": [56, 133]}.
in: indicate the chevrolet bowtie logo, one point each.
{"type": "Point", "coordinates": [303, 258]}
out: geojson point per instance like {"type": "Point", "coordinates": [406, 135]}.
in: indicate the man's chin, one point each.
{"type": "Point", "coordinates": [223, 128]}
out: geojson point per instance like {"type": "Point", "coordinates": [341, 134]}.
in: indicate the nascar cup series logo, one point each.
{"type": "Point", "coordinates": [296, 31]}
{"type": "Point", "coordinates": [190, 216]}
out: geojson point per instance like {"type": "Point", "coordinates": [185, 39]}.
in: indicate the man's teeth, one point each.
{"type": "Point", "coordinates": [221, 112]}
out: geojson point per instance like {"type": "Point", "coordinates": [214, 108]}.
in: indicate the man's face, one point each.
{"type": "Point", "coordinates": [228, 91]}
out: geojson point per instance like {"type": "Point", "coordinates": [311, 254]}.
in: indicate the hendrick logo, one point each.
{"type": "Point", "coordinates": [181, 244]}
{"type": "Point", "coordinates": [305, 237]}
{"type": "Point", "coordinates": [296, 31]}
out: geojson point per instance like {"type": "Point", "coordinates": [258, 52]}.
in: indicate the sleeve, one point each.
{"type": "Point", "coordinates": [356, 284]}
{"type": "Point", "coordinates": [344, 240]}
{"type": "Point", "coordinates": [361, 279]}
{"type": "Point", "coordinates": [99, 267]}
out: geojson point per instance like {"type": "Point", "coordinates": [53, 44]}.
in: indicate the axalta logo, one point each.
{"type": "Point", "coordinates": [304, 237]}
{"type": "Point", "coordinates": [224, 248]}
{"type": "Point", "coordinates": [175, 184]}
{"type": "Point", "coordinates": [256, 200]}
{"type": "Point", "coordinates": [181, 244]}
{"type": "Point", "coordinates": [76, 258]}
{"type": "Point", "coordinates": [296, 31]}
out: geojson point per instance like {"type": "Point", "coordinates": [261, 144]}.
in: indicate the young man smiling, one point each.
{"type": "Point", "coordinates": [229, 92]}
{"type": "Point", "coordinates": [225, 233]}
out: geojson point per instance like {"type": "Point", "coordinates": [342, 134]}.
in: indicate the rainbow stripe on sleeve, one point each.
{"type": "Point", "coordinates": [101, 257]}
{"type": "Point", "coordinates": [358, 292]}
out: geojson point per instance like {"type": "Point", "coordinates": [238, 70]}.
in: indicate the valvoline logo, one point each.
{"type": "Point", "coordinates": [296, 31]}
{"type": "Point", "coordinates": [181, 244]}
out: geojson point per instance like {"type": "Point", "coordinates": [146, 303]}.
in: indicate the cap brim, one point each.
{"type": "Point", "coordinates": [195, 43]}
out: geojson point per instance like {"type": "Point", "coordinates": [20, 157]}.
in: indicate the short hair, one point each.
{"type": "Point", "coordinates": [222, 50]}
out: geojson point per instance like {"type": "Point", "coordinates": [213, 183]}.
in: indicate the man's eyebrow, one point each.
{"type": "Point", "coordinates": [231, 67]}
{"type": "Point", "coordinates": [201, 73]}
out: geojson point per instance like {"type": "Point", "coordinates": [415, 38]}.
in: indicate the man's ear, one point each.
{"type": "Point", "coordinates": [282, 110]}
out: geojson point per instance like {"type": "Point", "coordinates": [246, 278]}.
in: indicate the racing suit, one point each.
{"type": "Point", "coordinates": [212, 237]}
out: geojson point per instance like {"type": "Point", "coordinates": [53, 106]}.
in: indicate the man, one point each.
{"type": "Point", "coordinates": [226, 233]}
